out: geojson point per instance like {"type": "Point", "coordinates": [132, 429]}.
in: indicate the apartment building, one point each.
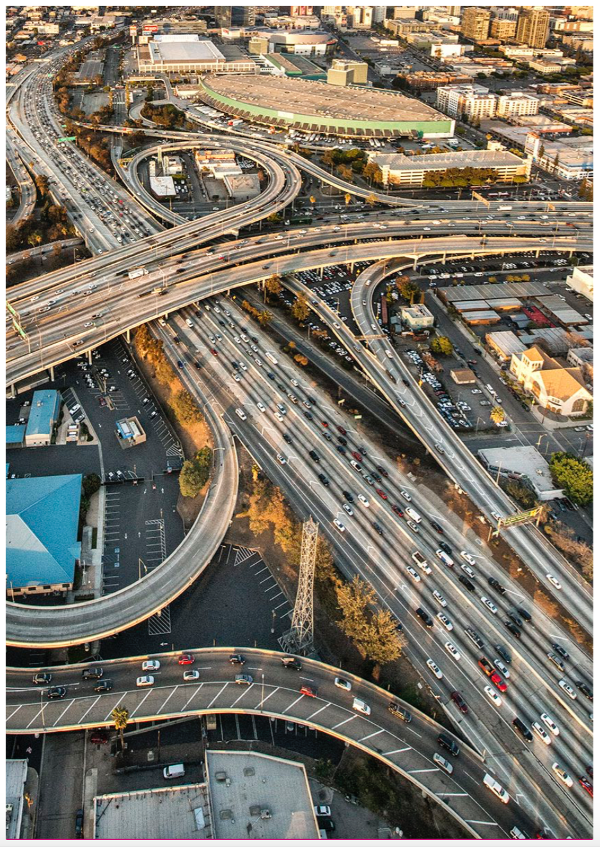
{"type": "Point", "coordinates": [474, 101]}
{"type": "Point", "coordinates": [533, 27]}
{"type": "Point", "coordinates": [503, 29]}
{"type": "Point", "coordinates": [517, 103]}
{"type": "Point", "coordinates": [475, 23]}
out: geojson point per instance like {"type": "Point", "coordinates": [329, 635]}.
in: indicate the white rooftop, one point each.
{"type": "Point", "coordinates": [254, 796]}
{"type": "Point", "coordinates": [185, 49]}
{"type": "Point", "coordinates": [524, 461]}
{"type": "Point", "coordinates": [16, 775]}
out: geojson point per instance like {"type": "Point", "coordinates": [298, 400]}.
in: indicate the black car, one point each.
{"type": "Point", "coordinates": [382, 470]}
{"type": "Point", "coordinates": [362, 450]}
{"type": "Point", "coordinates": [560, 650]}
{"type": "Point", "coordinates": [326, 823]}
{"type": "Point", "coordinates": [475, 638]}
{"type": "Point", "coordinates": [326, 435]}
{"type": "Point", "coordinates": [323, 479]}
{"type": "Point", "coordinates": [342, 440]}
{"type": "Point", "coordinates": [503, 653]}
{"type": "Point", "coordinates": [524, 614]}
{"type": "Point", "coordinates": [556, 661]}
{"type": "Point", "coordinates": [459, 700]}
{"type": "Point", "coordinates": [448, 744]}
{"type": "Point", "coordinates": [56, 693]}
{"type": "Point", "coordinates": [437, 527]}
{"type": "Point", "coordinates": [237, 659]}
{"type": "Point", "coordinates": [427, 619]}
{"type": "Point", "coordinates": [270, 374]}
{"type": "Point", "coordinates": [104, 685]}
{"type": "Point", "coordinates": [585, 690]}
{"type": "Point", "coordinates": [291, 663]}
{"type": "Point", "coordinates": [446, 548]}
{"type": "Point", "coordinates": [287, 438]}
{"type": "Point", "coordinates": [512, 628]}
{"type": "Point", "coordinates": [377, 528]}
{"type": "Point", "coordinates": [495, 584]}
{"type": "Point", "coordinates": [42, 678]}
{"type": "Point", "coordinates": [308, 415]}
{"type": "Point", "coordinates": [92, 673]}
{"type": "Point", "coordinates": [340, 449]}
{"type": "Point", "coordinates": [79, 823]}
{"type": "Point", "coordinates": [405, 381]}
{"type": "Point", "coordinates": [349, 497]}
{"type": "Point", "coordinates": [523, 729]}
{"type": "Point", "coordinates": [466, 582]}
{"type": "Point", "coordinates": [515, 618]}
{"type": "Point", "coordinates": [314, 455]}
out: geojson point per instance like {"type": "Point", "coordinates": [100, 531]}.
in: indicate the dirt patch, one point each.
{"type": "Point", "coordinates": [189, 507]}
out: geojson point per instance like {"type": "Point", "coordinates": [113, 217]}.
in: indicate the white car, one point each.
{"type": "Point", "coordinates": [434, 669]}
{"type": "Point", "coordinates": [413, 573]}
{"type": "Point", "coordinates": [496, 788]}
{"type": "Point", "coordinates": [452, 650]}
{"type": "Point", "coordinates": [554, 581]}
{"type": "Point", "coordinates": [282, 459]}
{"type": "Point", "coordinates": [562, 775]}
{"type": "Point", "coordinates": [151, 665]}
{"type": "Point", "coordinates": [191, 676]}
{"type": "Point", "coordinates": [278, 415]}
{"type": "Point", "coordinates": [467, 557]}
{"type": "Point", "coordinates": [295, 383]}
{"type": "Point", "coordinates": [446, 621]}
{"type": "Point", "coordinates": [360, 706]}
{"type": "Point", "coordinates": [476, 391]}
{"type": "Point", "coordinates": [406, 496]}
{"type": "Point", "coordinates": [502, 668]}
{"type": "Point", "coordinates": [493, 695]}
{"type": "Point", "coordinates": [339, 525]}
{"type": "Point", "coordinates": [347, 508]}
{"type": "Point", "coordinates": [144, 681]}
{"type": "Point", "coordinates": [441, 600]}
{"type": "Point", "coordinates": [340, 682]}
{"type": "Point", "coordinates": [363, 500]}
{"type": "Point", "coordinates": [260, 407]}
{"type": "Point", "coordinates": [562, 683]}
{"type": "Point", "coordinates": [550, 723]}
{"type": "Point", "coordinates": [486, 602]}
{"type": "Point", "coordinates": [190, 323]}
{"type": "Point", "coordinates": [541, 732]}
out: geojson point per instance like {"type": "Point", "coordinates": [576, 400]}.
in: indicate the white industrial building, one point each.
{"type": "Point", "coordinates": [524, 464]}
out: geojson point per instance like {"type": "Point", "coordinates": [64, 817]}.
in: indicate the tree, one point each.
{"type": "Point", "coordinates": [273, 285]}
{"type": "Point", "coordinates": [497, 414]}
{"type": "Point", "coordinates": [371, 199]}
{"type": "Point", "coordinates": [120, 716]}
{"type": "Point", "coordinates": [41, 183]}
{"type": "Point", "coordinates": [408, 288]}
{"type": "Point", "coordinates": [574, 475]}
{"type": "Point", "coordinates": [442, 345]}
{"type": "Point", "coordinates": [265, 318]}
{"type": "Point", "coordinates": [195, 473]}
{"type": "Point", "coordinates": [373, 633]}
{"type": "Point", "coordinates": [185, 408]}
{"type": "Point", "coordinates": [300, 308]}
{"type": "Point", "coordinates": [347, 198]}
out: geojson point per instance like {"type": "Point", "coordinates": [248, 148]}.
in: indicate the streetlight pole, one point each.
{"type": "Point", "coordinates": [262, 696]}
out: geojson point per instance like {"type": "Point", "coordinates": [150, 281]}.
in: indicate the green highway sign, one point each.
{"type": "Point", "coordinates": [68, 138]}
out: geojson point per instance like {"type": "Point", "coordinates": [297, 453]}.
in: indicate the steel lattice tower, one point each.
{"type": "Point", "coordinates": [299, 639]}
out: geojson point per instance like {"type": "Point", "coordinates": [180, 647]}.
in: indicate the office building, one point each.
{"type": "Point", "coordinates": [474, 101]}
{"type": "Point", "coordinates": [517, 103]}
{"type": "Point", "coordinates": [475, 23]}
{"type": "Point", "coordinates": [227, 16]}
{"type": "Point", "coordinates": [413, 171]}
{"type": "Point", "coordinates": [43, 416]}
{"type": "Point", "coordinates": [533, 27]}
{"type": "Point", "coordinates": [347, 73]}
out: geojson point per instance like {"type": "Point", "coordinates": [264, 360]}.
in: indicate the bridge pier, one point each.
{"type": "Point", "coordinates": [51, 369]}
{"type": "Point", "coordinates": [89, 357]}
{"type": "Point", "coordinates": [321, 272]}
{"type": "Point", "coordinates": [128, 335]}
{"type": "Point", "coordinates": [12, 392]}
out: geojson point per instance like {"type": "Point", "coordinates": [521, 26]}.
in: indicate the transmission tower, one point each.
{"type": "Point", "coordinates": [299, 639]}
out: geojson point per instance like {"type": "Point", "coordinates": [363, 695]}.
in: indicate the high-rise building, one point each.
{"type": "Point", "coordinates": [227, 16]}
{"type": "Point", "coordinates": [475, 23]}
{"type": "Point", "coordinates": [533, 27]}
{"type": "Point", "coordinates": [474, 101]}
{"type": "Point", "coordinates": [454, 11]}
{"type": "Point", "coordinates": [503, 29]}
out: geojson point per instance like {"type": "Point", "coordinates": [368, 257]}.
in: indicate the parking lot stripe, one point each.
{"type": "Point", "coordinates": [168, 698]}
{"type": "Point", "coordinates": [293, 703]}
{"type": "Point", "coordinates": [341, 723]}
{"type": "Point", "coordinates": [280, 605]}
{"type": "Point", "coordinates": [217, 695]}
{"type": "Point", "coordinates": [139, 705]}
{"type": "Point", "coordinates": [197, 691]}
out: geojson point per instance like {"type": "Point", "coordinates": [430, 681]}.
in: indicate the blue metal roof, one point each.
{"type": "Point", "coordinates": [42, 516]}
{"type": "Point", "coordinates": [15, 434]}
{"type": "Point", "coordinates": [44, 412]}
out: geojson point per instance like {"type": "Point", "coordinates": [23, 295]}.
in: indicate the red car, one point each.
{"type": "Point", "coordinates": [398, 511]}
{"type": "Point", "coordinates": [324, 423]}
{"type": "Point", "coordinates": [308, 691]}
{"type": "Point", "coordinates": [458, 699]}
{"type": "Point", "coordinates": [186, 659]}
{"type": "Point", "coordinates": [102, 401]}
{"type": "Point", "coordinates": [213, 351]}
{"type": "Point", "coordinates": [99, 737]}
{"type": "Point", "coordinates": [586, 785]}
{"type": "Point", "coordinates": [341, 430]}
{"type": "Point", "coordinates": [357, 456]}
{"type": "Point", "coordinates": [381, 493]}
{"type": "Point", "coordinates": [382, 470]}
{"type": "Point", "coordinates": [498, 682]}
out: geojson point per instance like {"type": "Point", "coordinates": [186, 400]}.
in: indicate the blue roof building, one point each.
{"type": "Point", "coordinates": [42, 518]}
{"type": "Point", "coordinates": [42, 417]}
{"type": "Point", "coordinates": [15, 435]}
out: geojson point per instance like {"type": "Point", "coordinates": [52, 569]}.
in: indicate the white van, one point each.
{"type": "Point", "coordinates": [173, 771]}
{"type": "Point", "coordinates": [271, 357]}
{"type": "Point", "coordinates": [360, 706]}
{"type": "Point", "coordinates": [241, 414]}
{"type": "Point", "coordinates": [416, 517]}
{"type": "Point", "coordinates": [496, 788]}
{"type": "Point", "coordinates": [516, 833]}
{"type": "Point", "coordinates": [445, 558]}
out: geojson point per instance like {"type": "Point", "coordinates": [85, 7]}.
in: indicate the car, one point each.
{"type": "Point", "coordinates": [541, 732]}
{"type": "Point", "coordinates": [437, 527]}
{"type": "Point", "coordinates": [363, 500]}
{"type": "Point", "coordinates": [553, 580]}
{"type": "Point", "coordinates": [434, 669]}
{"type": "Point", "coordinates": [459, 700]}
{"type": "Point", "coordinates": [323, 811]}
{"type": "Point", "coordinates": [501, 793]}
{"type": "Point", "coordinates": [406, 496]}
{"type": "Point", "coordinates": [100, 736]}
{"type": "Point", "coordinates": [586, 785]}
{"type": "Point", "coordinates": [496, 585]}
{"type": "Point", "coordinates": [308, 691]}
{"type": "Point", "coordinates": [144, 681]}
{"type": "Point", "coordinates": [556, 661]}
{"type": "Point", "coordinates": [348, 509]}
{"type": "Point", "coordinates": [186, 659]}
{"type": "Point", "coordinates": [447, 623]}
{"type": "Point", "coordinates": [339, 525]}
{"type": "Point", "coordinates": [562, 683]}
{"type": "Point", "coordinates": [151, 665]}
{"type": "Point", "coordinates": [452, 650]}
{"type": "Point", "coordinates": [448, 744]}
{"type": "Point", "coordinates": [191, 676]}
{"type": "Point", "coordinates": [397, 710]}
{"type": "Point", "coordinates": [342, 683]}
{"type": "Point", "coordinates": [92, 673]}
{"type": "Point", "coordinates": [42, 678]}
{"type": "Point", "coordinates": [381, 493]}
{"type": "Point", "coordinates": [237, 659]}
{"type": "Point", "coordinates": [57, 692]}
{"type": "Point", "coordinates": [501, 667]}
{"type": "Point", "coordinates": [562, 775]}
{"type": "Point", "coordinates": [512, 628]}
{"type": "Point", "coordinates": [360, 706]}
{"type": "Point", "coordinates": [291, 663]}
{"type": "Point", "coordinates": [413, 573]}
{"type": "Point", "coordinates": [493, 695]}
{"type": "Point", "coordinates": [550, 723]}
{"type": "Point", "coordinates": [585, 689]}
{"type": "Point", "coordinates": [440, 598]}
{"type": "Point", "coordinates": [286, 438]}
{"type": "Point", "coordinates": [243, 679]}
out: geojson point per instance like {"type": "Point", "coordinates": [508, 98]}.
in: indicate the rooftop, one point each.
{"type": "Point", "coordinates": [15, 434]}
{"type": "Point", "coordinates": [244, 786]}
{"type": "Point", "coordinates": [179, 813]}
{"type": "Point", "coordinates": [183, 48]}
{"type": "Point", "coordinates": [16, 775]}
{"type": "Point", "coordinates": [42, 517]}
{"type": "Point", "coordinates": [322, 100]}
{"type": "Point", "coordinates": [494, 290]}
{"type": "Point", "coordinates": [442, 161]}
{"type": "Point", "coordinates": [523, 461]}
{"type": "Point", "coordinates": [44, 407]}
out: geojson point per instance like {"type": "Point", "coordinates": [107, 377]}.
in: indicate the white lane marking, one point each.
{"type": "Point", "coordinates": [197, 691]}
{"type": "Point", "coordinates": [293, 703]}
{"type": "Point", "coordinates": [217, 694]}
{"type": "Point", "coordinates": [14, 712]}
{"type": "Point", "coordinates": [140, 704]}
{"type": "Point", "coordinates": [64, 711]}
{"type": "Point", "coordinates": [310, 717]}
{"type": "Point", "coordinates": [91, 707]}
{"type": "Point", "coordinates": [483, 823]}
{"type": "Point", "coordinates": [116, 704]}
{"type": "Point", "coordinates": [379, 731]}
{"type": "Point", "coordinates": [245, 691]}
{"type": "Point", "coordinates": [452, 794]}
{"type": "Point", "coordinates": [399, 750]}
{"type": "Point", "coordinates": [423, 770]}
{"type": "Point", "coordinates": [168, 698]}
{"type": "Point", "coordinates": [262, 702]}
{"type": "Point", "coordinates": [351, 718]}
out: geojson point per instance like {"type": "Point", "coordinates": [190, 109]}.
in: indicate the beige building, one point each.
{"type": "Point", "coordinates": [475, 23]}
{"type": "Point", "coordinates": [397, 169]}
{"type": "Point", "coordinates": [417, 317]}
{"type": "Point", "coordinates": [582, 281]}
{"type": "Point", "coordinates": [475, 101]}
{"type": "Point", "coordinates": [503, 29]}
{"type": "Point", "coordinates": [517, 103]}
{"type": "Point", "coordinates": [347, 73]}
{"type": "Point", "coordinates": [556, 387]}
{"type": "Point", "coordinates": [533, 26]}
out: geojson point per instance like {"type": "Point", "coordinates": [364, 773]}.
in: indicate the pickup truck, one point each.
{"type": "Point", "coordinates": [486, 666]}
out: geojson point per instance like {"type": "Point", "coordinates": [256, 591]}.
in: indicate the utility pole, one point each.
{"type": "Point", "coordinates": [299, 639]}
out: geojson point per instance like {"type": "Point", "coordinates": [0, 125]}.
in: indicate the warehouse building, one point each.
{"type": "Point", "coordinates": [42, 518]}
{"type": "Point", "coordinates": [313, 106]}
{"type": "Point", "coordinates": [504, 344]}
{"type": "Point", "coordinates": [43, 416]}
{"type": "Point", "coordinates": [397, 169]}
{"type": "Point", "coordinates": [185, 54]}
{"type": "Point", "coordinates": [417, 317]}
{"type": "Point", "coordinates": [582, 281]}
{"type": "Point", "coordinates": [525, 464]}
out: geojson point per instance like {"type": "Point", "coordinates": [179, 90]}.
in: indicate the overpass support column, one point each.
{"type": "Point", "coordinates": [537, 252]}
{"type": "Point", "coordinates": [51, 369]}
{"type": "Point", "coordinates": [351, 267]}
{"type": "Point", "coordinates": [415, 261]}
{"type": "Point", "coordinates": [128, 335]}
{"type": "Point", "coordinates": [89, 357]}
{"type": "Point", "coordinates": [12, 393]}
{"type": "Point", "coordinates": [321, 272]}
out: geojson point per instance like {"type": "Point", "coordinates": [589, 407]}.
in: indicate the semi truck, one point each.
{"type": "Point", "coordinates": [133, 274]}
